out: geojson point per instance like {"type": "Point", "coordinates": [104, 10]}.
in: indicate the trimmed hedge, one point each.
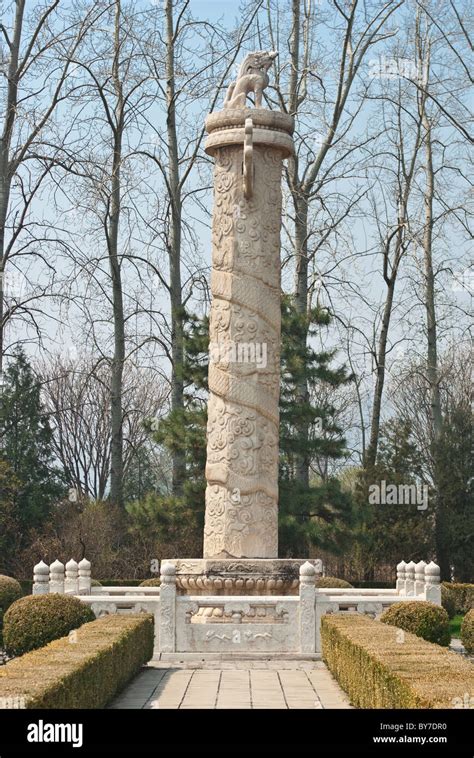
{"type": "Point", "coordinates": [331, 581]}
{"type": "Point", "coordinates": [35, 620]}
{"type": "Point", "coordinates": [88, 673]}
{"type": "Point", "coordinates": [463, 595]}
{"type": "Point", "coordinates": [377, 671]}
{"type": "Point", "coordinates": [155, 582]}
{"type": "Point", "coordinates": [448, 601]}
{"type": "Point", "coordinates": [10, 590]}
{"type": "Point", "coordinates": [424, 619]}
{"type": "Point", "coordinates": [467, 632]}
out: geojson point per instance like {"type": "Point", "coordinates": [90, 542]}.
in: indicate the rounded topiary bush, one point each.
{"type": "Point", "coordinates": [10, 590]}
{"type": "Point", "coordinates": [155, 582]}
{"type": "Point", "coordinates": [467, 632]}
{"type": "Point", "coordinates": [448, 601]}
{"type": "Point", "coordinates": [332, 581]}
{"type": "Point", "coordinates": [33, 621]}
{"type": "Point", "coordinates": [424, 619]}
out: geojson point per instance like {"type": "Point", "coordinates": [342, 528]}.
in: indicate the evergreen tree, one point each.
{"type": "Point", "coordinates": [455, 495]}
{"type": "Point", "coordinates": [180, 519]}
{"type": "Point", "coordinates": [26, 445]}
{"type": "Point", "coordinates": [389, 532]}
{"type": "Point", "coordinates": [319, 513]}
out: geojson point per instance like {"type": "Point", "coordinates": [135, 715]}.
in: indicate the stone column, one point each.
{"type": "Point", "coordinates": [248, 146]}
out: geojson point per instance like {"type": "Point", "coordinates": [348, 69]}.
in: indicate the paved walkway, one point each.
{"type": "Point", "coordinates": [233, 684]}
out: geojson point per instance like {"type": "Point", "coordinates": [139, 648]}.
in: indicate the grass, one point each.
{"type": "Point", "coordinates": [455, 625]}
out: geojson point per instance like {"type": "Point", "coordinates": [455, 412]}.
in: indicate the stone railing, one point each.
{"type": "Point", "coordinates": [419, 580]}
{"type": "Point", "coordinates": [234, 624]}
{"type": "Point", "coordinates": [75, 579]}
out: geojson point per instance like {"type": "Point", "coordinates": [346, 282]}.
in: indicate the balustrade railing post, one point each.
{"type": "Point", "coordinates": [307, 608]}
{"type": "Point", "coordinates": [168, 608]}
{"type": "Point", "coordinates": [432, 583]}
{"type": "Point", "coordinates": [40, 579]}
{"type": "Point", "coordinates": [56, 577]}
{"type": "Point", "coordinates": [401, 577]}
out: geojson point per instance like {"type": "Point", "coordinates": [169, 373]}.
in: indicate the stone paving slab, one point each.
{"type": "Point", "coordinates": [279, 684]}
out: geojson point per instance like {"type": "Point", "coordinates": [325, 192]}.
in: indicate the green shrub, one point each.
{"type": "Point", "coordinates": [35, 620]}
{"type": "Point", "coordinates": [87, 674]}
{"type": "Point", "coordinates": [467, 632]}
{"type": "Point", "coordinates": [10, 590]}
{"type": "Point", "coordinates": [463, 594]}
{"type": "Point", "coordinates": [331, 581]}
{"type": "Point", "coordinates": [95, 583]}
{"type": "Point", "coordinates": [448, 601]}
{"type": "Point", "coordinates": [155, 582]}
{"type": "Point", "coordinates": [378, 671]}
{"type": "Point", "coordinates": [424, 619]}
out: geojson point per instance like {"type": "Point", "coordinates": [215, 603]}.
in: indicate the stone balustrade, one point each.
{"type": "Point", "coordinates": [235, 624]}
{"type": "Point", "coordinates": [72, 578]}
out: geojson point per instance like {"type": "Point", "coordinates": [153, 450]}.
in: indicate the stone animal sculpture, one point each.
{"type": "Point", "coordinates": [252, 77]}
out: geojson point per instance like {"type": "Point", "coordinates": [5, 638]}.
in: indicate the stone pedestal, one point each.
{"type": "Point", "coordinates": [218, 576]}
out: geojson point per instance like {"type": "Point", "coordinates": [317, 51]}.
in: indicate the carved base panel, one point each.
{"type": "Point", "coordinates": [256, 576]}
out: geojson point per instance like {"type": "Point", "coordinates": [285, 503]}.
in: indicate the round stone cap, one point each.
{"type": "Point", "coordinates": [410, 567]}
{"type": "Point", "coordinates": [401, 566]}
{"type": "Point", "coordinates": [57, 566]}
{"type": "Point", "coordinates": [307, 569]}
{"type": "Point", "coordinates": [270, 128]}
{"type": "Point", "coordinates": [420, 567]}
{"type": "Point", "coordinates": [41, 568]}
{"type": "Point", "coordinates": [432, 569]}
{"type": "Point", "coordinates": [84, 564]}
{"type": "Point", "coordinates": [72, 564]}
{"type": "Point", "coordinates": [168, 569]}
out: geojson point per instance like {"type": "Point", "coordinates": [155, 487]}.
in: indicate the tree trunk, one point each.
{"type": "Point", "coordinates": [442, 546]}
{"type": "Point", "coordinates": [371, 454]}
{"type": "Point", "coordinates": [116, 468]}
{"type": "Point", "coordinates": [302, 461]}
{"type": "Point", "coordinates": [174, 249]}
{"type": "Point", "coordinates": [5, 167]}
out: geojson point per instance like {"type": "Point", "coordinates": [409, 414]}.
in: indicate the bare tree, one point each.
{"type": "Point", "coordinates": [77, 398]}
{"type": "Point", "coordinates": [306, 90]}
{"type": "Point", "coordinates": [36, 51]}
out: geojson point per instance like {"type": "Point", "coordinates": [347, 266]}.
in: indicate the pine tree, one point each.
{"type": "Point", "coordinates": [320, 512]}
{"type": "Point", "coordinates": [455, 495]}
{"type": "Point", "coordinates": [389, 532]}
{"type": "Point", "coordinates": [26, 445]}
{"type": "Point", "coordinates": [179, 520]}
